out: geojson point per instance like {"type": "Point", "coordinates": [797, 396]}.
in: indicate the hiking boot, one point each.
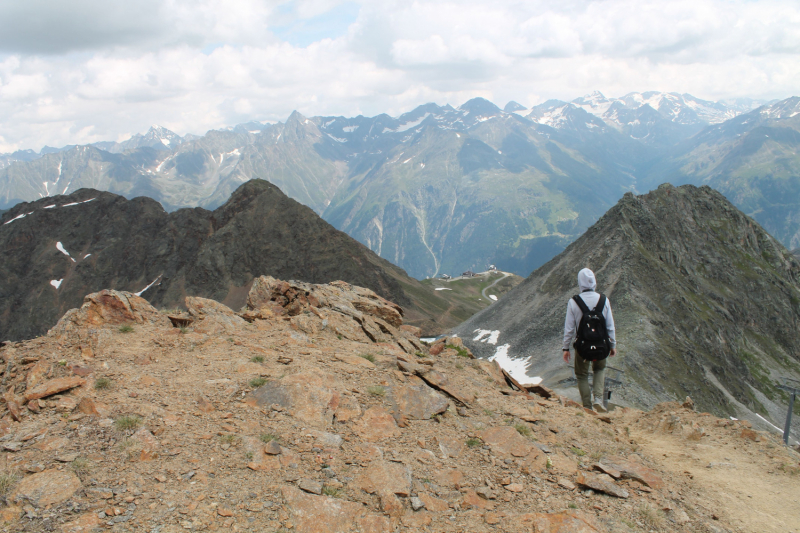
{"type": "Point", "coordinates": [599, 408]}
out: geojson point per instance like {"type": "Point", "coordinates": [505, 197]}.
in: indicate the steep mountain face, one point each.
{"type": "Point", "coordinates": [57, 250]}
{"type": "Point", "coordinates": [436, 190]}
{"type": "Point", "coordinates": [751, 159]}
{"type": "Point", "coordinates": [705, 303]}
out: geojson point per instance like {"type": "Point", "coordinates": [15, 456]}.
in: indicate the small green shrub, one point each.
{"type": "Point", "coordinates": [268, 437]}
{"type": "Point", "coordinates": [126, 328]}
{"type": "Point", "coordinates": [249, 456]}
{"type": "Point", "coordinates": [572, 506]}
{"type": "Point", "coordinates": [376, 390]}
{"type": "Point", "coordinates": [8, 480]}
{"type": "Point", "coordinates": [462, 352]}
{"type": "Point", "coordinates": [256, 382]}
{"type": "Point", "coordinates": [368, 356]}
{"type": "Point", "coordinates": [183, 330]}
{"type": "Point", "coordinates": [651, 517]}
{"type": "Point", "coordinates": [420, 354]}
{"type": "Point", "coordinates": [63, 362]}
{"type": "Point", "coordinates": [81, 466]}
{"type": "Point", "coordinates": [473, 442]}
{"type": "Point", "coordinates": [339, 336]}
{"type": "Point", "coordinates": [577, 451]}
{"type": "Point", "coordinates": [228, 438]}
{"type": "Point", "coordinates": [523, 429]}
{"type": "Point", "coordinates": [333, 492]}
{"type": "Point", "coordinates": [127, 422]}
{"type": "Point", "coordinates": [257, 359]}
{"type": "Point", "coordinates": [102, 383]}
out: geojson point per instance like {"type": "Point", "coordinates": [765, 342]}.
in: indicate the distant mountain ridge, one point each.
{"type": "Point", "coordinates": [705, 304]}
{"type": "Point", "coordinates": [55, 251]}
{"type": "Point", "coordinates": [440, 190]}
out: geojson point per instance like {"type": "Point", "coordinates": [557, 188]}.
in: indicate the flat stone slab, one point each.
{"type": "Point", "coordinates": [602, 483]}
{"type": "Point", "coordinates": [48, 487]}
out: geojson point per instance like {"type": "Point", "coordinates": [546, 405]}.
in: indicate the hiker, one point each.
{"type": "Point", "coordinates": [594, 338]}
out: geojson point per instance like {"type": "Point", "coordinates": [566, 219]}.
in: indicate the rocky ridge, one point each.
{"type": "Point", "coordinates": [55, 251]}
{"type": "Point", "coordinates": [124, 418]}
{"type": "Point", "coordinates": [705, 302]}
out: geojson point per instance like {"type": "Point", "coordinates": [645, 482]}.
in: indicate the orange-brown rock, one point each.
{"type": "Point", "coordinates": [506, 440]}
{"type": "Point", "coordinates": [212, 317]}
{"type": "Point", "coordinates": [415, 401]}
{"type": "Point", "coordinates": [53, 386]}
{"type": "Point", "coordinates": [385, 477]}
{"type": "Point", "coordinates": [48, 487]}
{"type": "Point", "coordinates": [307, 396]}
{"type": "Point", "coordinates": [632, 470]}
{"type": "Point", "coordinates": [320, 514]}
{"type": "Point", "coordinates": [433, 503]}
{"type": "Point", "coordinates": [83, 524]}
{"type": "Point", "coordinates": [563, 522]}
{"type": "Point", "coordinates": [109, 307]}
{"type": "Point", "coordinates": [376, 424]}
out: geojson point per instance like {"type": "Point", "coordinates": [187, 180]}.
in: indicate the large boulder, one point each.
{"type": "Point", "coordinates": [211, 316]}
{"type": "Point", "coordinates": [112, 308]}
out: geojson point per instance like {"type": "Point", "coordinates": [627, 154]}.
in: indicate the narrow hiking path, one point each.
{"type": "Point", "coordinates": [483, 292]}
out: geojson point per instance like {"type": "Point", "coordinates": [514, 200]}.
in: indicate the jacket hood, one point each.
{"type": "Point", "coordinates": [586, 280]}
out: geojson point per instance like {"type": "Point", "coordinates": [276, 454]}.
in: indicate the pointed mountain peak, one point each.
{"type": "Point", "coordinates": [480, 106]}
{"type": "Point", "coordinates": [513, 106]}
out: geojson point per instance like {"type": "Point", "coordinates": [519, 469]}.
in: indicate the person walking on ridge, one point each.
{"type": "Point", "coordinates": [590, 322]}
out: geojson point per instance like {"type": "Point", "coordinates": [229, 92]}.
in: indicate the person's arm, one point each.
{"type": "Point", "coordinates": [569, 329]}
{"type": "Point", "coordinates": [612, 334]}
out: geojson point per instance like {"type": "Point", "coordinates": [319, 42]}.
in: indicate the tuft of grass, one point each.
{"type": "Point", "coordinates": [549, 464]}
{"type": "Point", "coordinates": [333, 492]}
{"type": "Point", "coordinates": [376, 390]}
{"type": "Point", "coordinates": [256, 382]}
{"type": "Point", "coordinates": [420, 354]}
{"type": "Point", "coordinates": [368, 356]}
{"type": "Point", "coordinates": [473, 442]}
{"type": "Point", "coordinates": [249, 456]}
{"type": "Point", "coordinates": [126, 328]}
{"type": "Point", "coordinates": [8, 480]}
{"type": "Point", "coordinates": [81, 466]}
{"type": "Point", "coordinates": [228, 438]}
{"type": "Point", "coordinates": [339, 336]}
{"type": "Point", "coordinates": [268, 437]}
{"type": "Point", "coordinates": [102, 383]}
{"type": "Point", "coordinates": [596, 455]}
{"type": "Point", "coordinates": [459, 366]}
{"type": "Point", "coordinates": [577, 451]}
{"type": "Point", "coordinates": [183, 330]}
{"type": "Point", "coordinates": [257, 359]}
{"type": "Point", "coordinates": [63, 362]}
{"type": "Point", "coordinates": [127, 422]}
{"type": "Point", "coordinates": [523, 429]}
{"type": "Point", "coordinates": [651, 517]}
{"type": "Point", "coordinates": [488, 412]}
{"type": "Point", "coordinates": [572, 506]}
{"type": "Point", "coordinates": [459, 350]}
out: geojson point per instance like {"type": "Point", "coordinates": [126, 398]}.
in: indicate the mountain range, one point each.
{"type": "Point", "coordinates": [57, 250]}
{"type": "Point", "coordinates": [440, 190]}
{"type": "Point", "coordinates": [705, 302]}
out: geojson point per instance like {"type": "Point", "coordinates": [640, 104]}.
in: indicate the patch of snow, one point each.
{"type": "Point", "coordinates": [78, 203]}
{"type": "Point", "coordinates": [458, 135]}
{"type": "Point", "coordinates": [49, 206]}
{"type": "Point", "coordinates": [165, 142]}
{"type": "Point", "coordinates": [422, 165]}
{"type": "Point", "coordinates": [60, 248]}
{"type": "Point", "coordinates": [442, 289]}
{"type": "Point", "coordinates": [499, 152]}
{"type": "Point", "coordinates": [337, 139]}
{"type": "Point", "coordinates": [56, 282]}
{"type": "Point", "coordinates": [234, 152]}
{"type": "Point", "coordinates": [770, 423]}
{"type": "Point", "coordinates": [350, 129]}
{"type": "Point", "coordinates": [486, 335]}
{"type": "Point", "coordinates": [493, 297]}
{"type": "Point", "coordinates": [516, 367]}
{"type": "Point", "coordinates": [409, 159]}
{"type": "Point", "coordinates": [254, 131]}
{"type": "Point", "coordinates": [153, 283]}
{"type": "Point", "coordinates": [18, 217]}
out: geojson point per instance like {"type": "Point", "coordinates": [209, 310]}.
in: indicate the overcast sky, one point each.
{"type": "Point", "coordinates": [80, 71]}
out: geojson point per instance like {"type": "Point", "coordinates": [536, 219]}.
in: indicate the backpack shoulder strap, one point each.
{"type": "Point", "coordinates": [601, 303]}
{"type": "Point", "coordinates": [581, 303]}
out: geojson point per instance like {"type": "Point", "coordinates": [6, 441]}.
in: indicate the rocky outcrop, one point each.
{"type": "Point", "coordinates": [706, 304]}
{"type": "Point", "coordinates": [112, 308]}
{"type": "Point", "coordinates": [355, 313]}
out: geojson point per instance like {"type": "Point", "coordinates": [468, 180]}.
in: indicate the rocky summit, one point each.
{"type": "Point", "coordinates": [705, 303]}
{"type": "Point", "coordinates": [56, 250]}
{"type": "Point", "coordinates": [315, 409]}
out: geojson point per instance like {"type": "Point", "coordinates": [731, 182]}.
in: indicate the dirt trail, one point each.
{"type": "Point", "coordinates": [483, 292]}
{"type": "Point", "coordinates": [754, 485]}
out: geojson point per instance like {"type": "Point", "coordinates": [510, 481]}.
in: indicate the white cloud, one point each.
{"type": "Point", "coordinates": [93, 70]}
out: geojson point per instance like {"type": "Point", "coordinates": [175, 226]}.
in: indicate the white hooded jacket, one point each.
{"type": "Point", "coordinates": [587, 284]}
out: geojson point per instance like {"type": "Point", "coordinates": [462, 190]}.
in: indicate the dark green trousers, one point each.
{"type": "Point", "coordinates": [582, 374]}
